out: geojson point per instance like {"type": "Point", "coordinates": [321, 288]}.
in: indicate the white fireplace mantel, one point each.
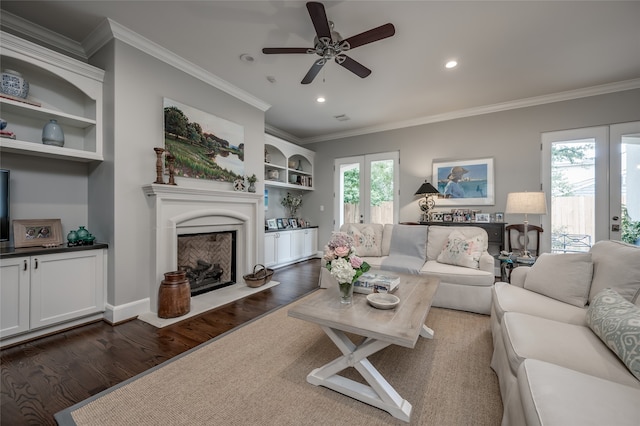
{"type": "Point", "coordinates": [175, 207]}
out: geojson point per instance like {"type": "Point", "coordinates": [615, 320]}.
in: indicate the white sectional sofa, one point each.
{"type": "Point", "coordinates": [456, 255]}
{"type": "Point", "coordinates": [566, 335]}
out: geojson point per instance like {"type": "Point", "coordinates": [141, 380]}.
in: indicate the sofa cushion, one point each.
{"type": "Point", "coordinates": [568, 345]}
{"type": "Point", "coordinates": [563, 276]}
{"type": "Point", "coordinates": [510, 298]}
{"type": "Point", "coordinates": [556, 396]}
{"type": "Point", "coordinates": [616, 265]}
{"type": "Point", "coordinates": [438, 235]}
{"type": "Point", "coordinates": [461, 251]}
{"type": "Point", "coordinates": [616, 321]}
{"type": "Point", "coordinates": [458, 275]}
{"type": "Point", "coordinates": [367, 238]}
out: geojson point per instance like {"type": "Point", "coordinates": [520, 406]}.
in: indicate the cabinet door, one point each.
{"type": "Point", "coordinates": [270, 249]}
{"type": "Point", "coordinates": [310, 241]}
{"type": "Point", "coordinates": [14, 296]}
{"type": "Point", "coordinates": [283, 243]}
{"type": "Point", "coordinates": [65, 286]}
{"type": "Point", "coordinates": [297, 244]}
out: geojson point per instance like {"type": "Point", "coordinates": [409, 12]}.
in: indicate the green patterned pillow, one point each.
{"type": "Point", "coordinates": [616, 322]}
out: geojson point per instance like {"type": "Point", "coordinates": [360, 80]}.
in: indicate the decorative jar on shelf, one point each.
{"type": "Point", "coordinates": [52, 134]}
{"type": "Point", "coordinates": [13, 84]}
{"type": "Point", "coordinates": [82, 233]}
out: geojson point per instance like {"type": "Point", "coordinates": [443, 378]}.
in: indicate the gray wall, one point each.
{"type": "Point", "coordinates": [135, 86]}
{"type": "Point", "coordinates": [512, 138]}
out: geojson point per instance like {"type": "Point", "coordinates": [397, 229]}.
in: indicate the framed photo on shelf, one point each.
{"type": "Point", "coordinates": [499, 217]}
{"type": "Point", "coordinates": [280, 223]}
{"type": "Point", "coordinates": [464, 182]}
{"type": "Point", "coordinates": [37, 232]}
{"type": "Point", "coordinates": [271, 224]}
{"type": "Point", "coordinates": [293, 222]}
{"type": "Point", "coordinates": [483, 218]}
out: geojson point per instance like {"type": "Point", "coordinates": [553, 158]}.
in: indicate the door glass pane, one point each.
{"type": "Point", "coordinates": [381, 195]}
{"type": "Point", "coordinates": [350, 193]}
{"type": "Point", "coordinates": [572, 195]}
{"type": "Point", "coordinates": [629, 194]}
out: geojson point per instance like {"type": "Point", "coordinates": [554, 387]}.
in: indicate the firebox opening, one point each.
{"type": "Point", "coordinates": [209, 260]}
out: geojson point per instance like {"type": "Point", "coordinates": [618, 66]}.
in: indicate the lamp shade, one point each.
{"type": "Point", "coordinates": [426, 188]}
{"type": "Point", "coordinates": [526, 203]}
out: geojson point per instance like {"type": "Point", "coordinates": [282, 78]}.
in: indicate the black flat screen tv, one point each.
{"type": "Point", "coordinates": [4, 205]}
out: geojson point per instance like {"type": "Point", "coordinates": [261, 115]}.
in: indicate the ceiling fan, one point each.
{"type": "Point", "coordinates": [328, 44]}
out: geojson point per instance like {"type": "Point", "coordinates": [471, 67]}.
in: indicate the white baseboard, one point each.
{"type": "Point", "coordinates": [116, 314]}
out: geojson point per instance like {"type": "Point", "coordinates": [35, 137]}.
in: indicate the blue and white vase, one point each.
{"type": "Point", "coordinates": [52, 134]}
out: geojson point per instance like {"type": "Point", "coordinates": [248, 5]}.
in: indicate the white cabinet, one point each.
{"type": "Point", "coordinates": [310, 245]}
{"type": "Point", "coordinates": [277, 248]}
{"type": "Point", "coordinates": [39, 291]}
{"type": "Point", "coordinates": [14, 295]}
{"type": "Point", "coordinates": [61, 88]}
{"type": "Point", "coordinates": [287, 165]}
{"type": "Point", "coordinates": [283, 247]}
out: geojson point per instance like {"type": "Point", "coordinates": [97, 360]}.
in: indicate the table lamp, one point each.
{"type": "Point", "coordinates": [527, 203]}
{"type": "Point", "coordinates": [427, 203]}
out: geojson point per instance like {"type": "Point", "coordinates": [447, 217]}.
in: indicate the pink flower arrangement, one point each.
{"type": "Point", "coordinates": [341, 260]}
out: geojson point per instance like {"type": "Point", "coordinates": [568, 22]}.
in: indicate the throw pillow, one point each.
{"type": "Point", "coordinates": [616, 265]}
{"type": "Point", "coordinates": [616, 321]}
{"type": "Point", "coordinates": [461, 251]}
{"type": "Point", "coordinates": [562, 276]}
{"type": "Point", "coordinates": [367, 239]}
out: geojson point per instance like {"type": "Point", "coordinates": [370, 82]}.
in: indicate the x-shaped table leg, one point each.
{"type": "Point", "coordinates": [379, 393]}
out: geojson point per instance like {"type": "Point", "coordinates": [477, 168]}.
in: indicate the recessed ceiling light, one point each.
{"type": "Point", "coordinates": [320, 99]}
{"type": "Point", "coordinates": [451, 64]}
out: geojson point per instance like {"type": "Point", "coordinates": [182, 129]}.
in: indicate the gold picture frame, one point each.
{"type": "Point", "coordinates": [37, 232]}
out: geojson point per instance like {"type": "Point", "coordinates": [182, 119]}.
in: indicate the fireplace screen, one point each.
{"type": "Point", "coordinates": [209, 259]}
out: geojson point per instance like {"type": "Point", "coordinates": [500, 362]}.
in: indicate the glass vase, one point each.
{"type": "Point", "coordinates": [346, 293]}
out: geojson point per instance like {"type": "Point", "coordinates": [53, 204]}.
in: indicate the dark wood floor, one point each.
{"type": "Point", "coordinates": [45, 376]}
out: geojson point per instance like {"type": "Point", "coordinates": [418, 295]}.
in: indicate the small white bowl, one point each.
{"type": "Point", "coordinates": [383, 300]}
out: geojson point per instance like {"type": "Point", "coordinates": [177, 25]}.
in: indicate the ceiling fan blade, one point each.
{"type": "Point", "coordinates": [319, 19]}
{"type": "Point", "coordinates": [313, 71]}
{"type": "Point", "coordinates": [271, 50]}
{"type": "Point", "coordinates": [352, 65]}
{"type": "Point", "coordinates": [375, 34]}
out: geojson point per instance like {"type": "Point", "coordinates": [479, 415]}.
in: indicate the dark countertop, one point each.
{"type": "Point", "coordinates": [267, 231]}
{"type": "Point", "coordinates": [37, 251]}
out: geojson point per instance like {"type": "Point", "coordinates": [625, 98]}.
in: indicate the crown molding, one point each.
{"type": "Point", "coordinates": [603, 89]}
{"type": "Point", "coordinates": [41, 35]}
{"type": "Point", "coordinates": [109, 29]}
{"type": "Point", "coordinates": [274, 131]}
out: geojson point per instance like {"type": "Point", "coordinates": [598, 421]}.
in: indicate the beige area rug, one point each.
{"type": "Point", "coordinates": [208, 301]}
{"type": "Point", "coordinates": [256, 375]}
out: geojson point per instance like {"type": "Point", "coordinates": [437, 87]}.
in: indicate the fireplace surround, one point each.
{"type": "Point", "coordinates": [178, 210]}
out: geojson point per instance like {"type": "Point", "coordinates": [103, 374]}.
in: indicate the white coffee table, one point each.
{"type": "Point", "coordinates": [399, 326]}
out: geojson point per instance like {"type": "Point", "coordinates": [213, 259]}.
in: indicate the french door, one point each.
{"type": "Point", "coordinates": [586, 174]}
{"type": "Point", "coordinates": [366, 189]}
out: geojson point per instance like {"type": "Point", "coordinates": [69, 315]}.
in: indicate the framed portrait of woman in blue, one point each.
{"type": "Point", "coordinates": [464, 182]}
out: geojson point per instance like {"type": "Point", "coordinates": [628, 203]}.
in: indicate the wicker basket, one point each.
{"type": "Point", "coordinates": [259, 276]}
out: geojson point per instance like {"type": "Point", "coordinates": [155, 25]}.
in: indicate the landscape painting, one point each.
{"type": "Point", "coordinates": [465, 182]}
{"type": "Point", "coordinates": [204, 146]}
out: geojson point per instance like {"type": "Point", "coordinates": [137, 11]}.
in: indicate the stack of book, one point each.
{"type": "Point", "coordinates": [378, 282]}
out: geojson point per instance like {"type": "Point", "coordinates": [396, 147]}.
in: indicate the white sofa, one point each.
{"type": "Point", "coordinates": [566, 336]}
{"type": "Point", "coordinates": [416, 249]}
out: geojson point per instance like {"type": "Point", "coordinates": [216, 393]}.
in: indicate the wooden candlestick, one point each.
{"type": "Point", "coordinates": [159, 177]}
{"type": "Point", "coordinates": [172, 173]}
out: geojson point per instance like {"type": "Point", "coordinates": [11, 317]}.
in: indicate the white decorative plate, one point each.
{"type": "Point", "coordinates": [383, 300]}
